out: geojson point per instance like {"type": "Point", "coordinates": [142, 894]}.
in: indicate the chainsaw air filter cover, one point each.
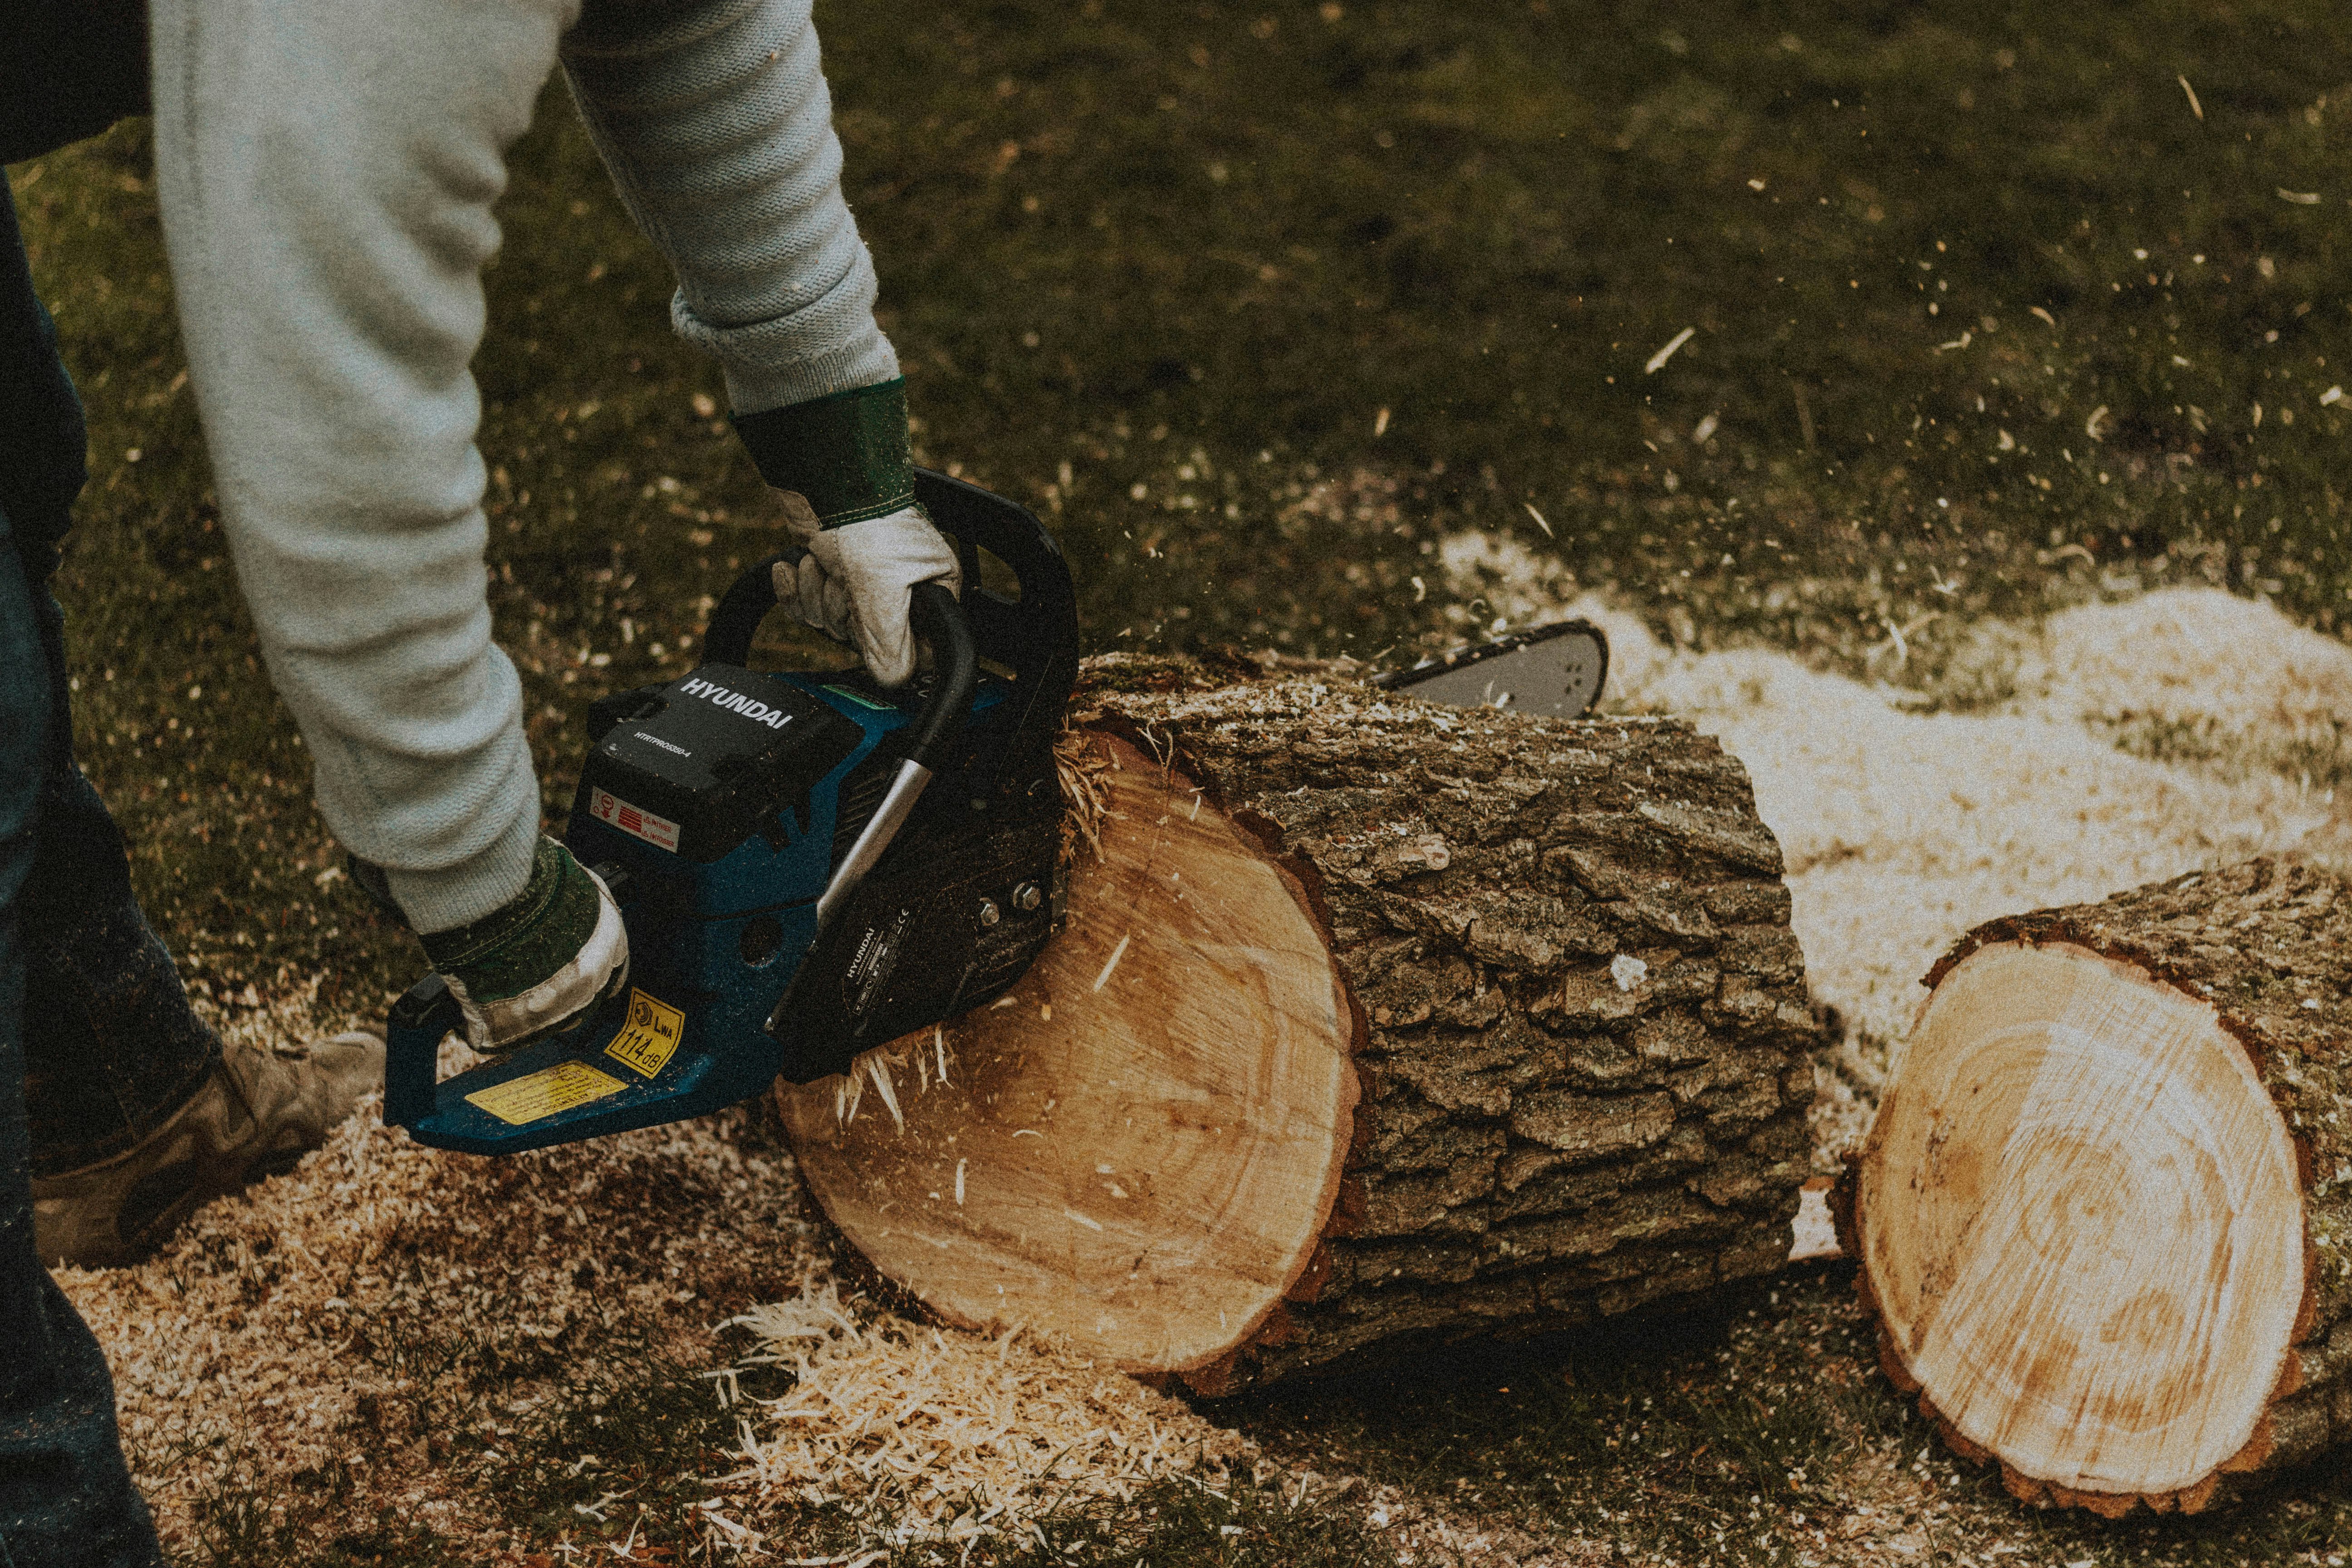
{"type": "Point", "coordinates": [697, 766]}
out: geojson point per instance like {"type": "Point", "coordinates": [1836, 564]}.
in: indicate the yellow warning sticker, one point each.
{"type": "Point", "coordinates": [650, 1037]}
{"type": "Point", "coordinates": [537, 1096]}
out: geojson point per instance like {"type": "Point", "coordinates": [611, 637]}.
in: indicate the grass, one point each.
{"type": "Point", "coordinates": [1991, 308]}
{"type": "Point", "coordinates": [543, 1479]}
{"type": "Point", "coordinates": [1710, 1438]}
{"type": "Point", "coordinates": [608, 1448]}
{"type": "Point", "coordinates": [1754, 1433]}
{"type": "Point", "coordinates": [240, 1530]}
{"type": "Point", "coordinates": [1245, 1523]}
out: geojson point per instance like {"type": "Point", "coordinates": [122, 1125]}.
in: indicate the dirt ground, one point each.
{"type": "Point", "coordinates": [396, 1352]}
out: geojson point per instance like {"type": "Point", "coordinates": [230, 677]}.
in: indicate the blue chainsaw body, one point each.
{"type": "Point", "coordinates": [721, 870]}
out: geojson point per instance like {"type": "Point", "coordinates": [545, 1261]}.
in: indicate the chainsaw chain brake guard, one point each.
{"type": "Point", "coordinates": [808, 865]}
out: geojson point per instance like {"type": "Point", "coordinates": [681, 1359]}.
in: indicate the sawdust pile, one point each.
{"type": "Point", "coordinates": [2111, 745]}
{"type": "Point", "coordinates": [330, 1334]}
{"type": "Point", "coordinates": [945, 1437]}
{"type": "Point", "coordinates": [327, 1328]}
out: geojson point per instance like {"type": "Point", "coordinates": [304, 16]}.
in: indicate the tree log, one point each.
{"type": "Point", "coordinates": [2104, 1209]}
{"type": "Point", "coordinates": [1375, 1025]}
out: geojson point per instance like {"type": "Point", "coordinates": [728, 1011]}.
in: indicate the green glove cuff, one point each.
{"type": "Point", "coordinates": [845, 452]}
{"type": "Point", "coordinates": [508, 952]}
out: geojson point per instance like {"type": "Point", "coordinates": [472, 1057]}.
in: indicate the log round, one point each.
{"type": "Point", "coordinates": [1140, 1150]}
{"type": "Point", "coordinates": [1375, 1025]}
{"type": "Point", "coordinates": [2101, 1212]}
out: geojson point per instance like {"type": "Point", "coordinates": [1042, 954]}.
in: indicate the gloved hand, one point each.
{"type": "Point", "coordinates": [856, 581]}
{"type": "Point", "coordinates": [539, 964]}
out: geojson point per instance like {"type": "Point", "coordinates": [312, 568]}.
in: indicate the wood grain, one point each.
{"type": "Point", "coordinates": [1147, 1170]}
{"type": "Point", "coordinates": [2100, 1212]}
{"type": "Point", "coordinates": [1432, 1024]}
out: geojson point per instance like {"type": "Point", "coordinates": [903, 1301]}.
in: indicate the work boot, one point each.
{"type": "Point", "coordinates": [255, 1115]}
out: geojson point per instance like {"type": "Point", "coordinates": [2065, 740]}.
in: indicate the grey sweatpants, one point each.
{"type": "Point", "coordinates": [326, 173]}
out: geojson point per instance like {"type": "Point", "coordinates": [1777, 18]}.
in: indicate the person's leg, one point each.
{"type": "Point", "coordinates": [66, 1497]}
{"type": "Point", "coordinates": [135, 1114]}
{"type": "Point", "coordinates": [116, 1047]}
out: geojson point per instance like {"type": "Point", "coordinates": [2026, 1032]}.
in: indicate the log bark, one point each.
{"type": "Point", "coordinates": [2105, 1212]}
{"type": "Point", "coordinates": [1377, 1025]}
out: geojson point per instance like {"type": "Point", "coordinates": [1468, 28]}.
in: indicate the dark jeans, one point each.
{"type": "Point", "coordinates": [116, 1049]}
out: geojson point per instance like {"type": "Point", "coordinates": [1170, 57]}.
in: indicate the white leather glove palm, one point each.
{"type": "Point", "coordinates": [856, 581]}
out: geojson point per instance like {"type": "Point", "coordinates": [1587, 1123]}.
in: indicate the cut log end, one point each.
{"type": "Point", "coordinates": [2082, 1212]}
{"type": "Point", "coordinates": [1137, 1156]}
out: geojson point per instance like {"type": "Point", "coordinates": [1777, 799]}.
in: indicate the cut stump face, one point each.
{"type": "Point", "coordinates": [1139, 1153]}
{"type": "Point", "coordinates": [2082, 1221]}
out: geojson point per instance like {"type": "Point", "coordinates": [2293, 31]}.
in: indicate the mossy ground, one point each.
{"type": "Point", "coordinates": [1991, 308]}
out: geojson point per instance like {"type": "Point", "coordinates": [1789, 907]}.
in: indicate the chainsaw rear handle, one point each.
{"type": "Point", "coordinates": [932, 608]}
{"type": "Point", "coordinates": [425, 1013]}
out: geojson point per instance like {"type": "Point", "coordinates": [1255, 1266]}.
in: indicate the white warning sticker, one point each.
{"type": "Point", "coordinates": [658, 831]}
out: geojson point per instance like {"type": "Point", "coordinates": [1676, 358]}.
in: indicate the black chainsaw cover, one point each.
{"type": "Point", "coordinates": [936, 929]}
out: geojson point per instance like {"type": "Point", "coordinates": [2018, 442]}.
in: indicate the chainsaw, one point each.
{"type": "Point", "coordinates": [807, 865]}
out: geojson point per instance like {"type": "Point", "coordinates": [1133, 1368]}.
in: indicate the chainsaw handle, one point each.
{"type": "Point", "coordinates": [424, 1014]}
{"type": "Point", "coordinates": [1036, 634]}
{"type": "Point", "coordinates": [737, 619]}
{"type": "Point", "coordinates": [932, 610]}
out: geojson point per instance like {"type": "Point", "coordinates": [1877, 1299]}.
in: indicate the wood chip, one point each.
{"type": "Point", "coordinates": [1116, 954]}
{"type": "Point", "coordinates": [1658, 361]}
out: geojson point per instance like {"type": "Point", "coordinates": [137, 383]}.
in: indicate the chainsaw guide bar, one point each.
{"type": "Point", "coordinates": [1557, 670]}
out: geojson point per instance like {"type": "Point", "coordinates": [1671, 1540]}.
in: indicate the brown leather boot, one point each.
{"type": "Point", "coordinates": [256, 1114]}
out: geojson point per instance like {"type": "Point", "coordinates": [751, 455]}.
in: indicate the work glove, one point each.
{"type": "Point", "coordinates": [535, 967]}
{"type": "Point", "coordinates": [841, 466]}
{"type": "Point", "coordinates": [855, 582]}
